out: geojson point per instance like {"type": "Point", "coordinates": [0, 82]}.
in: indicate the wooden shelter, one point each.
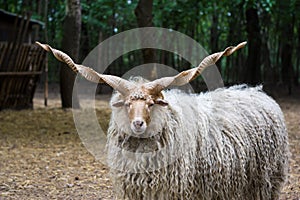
{"type": "Point", "coordinates": [21, 62]}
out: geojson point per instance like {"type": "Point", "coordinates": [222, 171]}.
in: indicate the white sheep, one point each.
{"type": "Point", "coordinates": [225, 144]}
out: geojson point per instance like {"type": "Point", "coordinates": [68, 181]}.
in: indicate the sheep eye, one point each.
{"type": "Point", "coordinates": [127, 104]}
{"type": "Point", "coordinates": [118, 103]}
{"type": "Point", "coordinates": [150, 104]}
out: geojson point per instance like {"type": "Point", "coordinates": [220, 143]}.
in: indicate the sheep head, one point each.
{"type": "Point", "coordinates": [139, 99]}
{"type": "Point", "coordinates": [139, 104]}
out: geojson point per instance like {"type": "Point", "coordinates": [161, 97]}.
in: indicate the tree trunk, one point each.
{"type": "Point", "coordinates": [298, 59]}
{"type": "Point", "coordinates": [287, 26]}
{"type": "Point", "coordinates": [297, 23]}
{"type": "Point", "coordinates": [70, 44]}
{"type": "Point", "coordinates": [286, 66]}
{"type": "Point", "coordinates": [143, 13]}
{"type": "Point", "coordinates": [229, 69]}
{"type": "Point", "coordinates": [214, 36]}
{"type": "Point", "coordinates": [253, 73]}
{"type": "Point", "coordinates": [234, 70]}
{"type": "Point", "coordinates": [268, 69]}
{"type": "Point", "coordinates": [46, 40]}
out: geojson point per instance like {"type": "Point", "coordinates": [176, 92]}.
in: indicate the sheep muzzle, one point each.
{"type": "Point", "coordinates": [139, 115]}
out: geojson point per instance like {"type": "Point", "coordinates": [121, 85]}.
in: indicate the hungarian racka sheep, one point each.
{"type": "Point", "coordinates": [230, 143]}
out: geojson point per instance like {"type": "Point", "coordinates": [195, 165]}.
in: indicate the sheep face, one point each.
{"type": "Point", "coordinates": [139, 104]}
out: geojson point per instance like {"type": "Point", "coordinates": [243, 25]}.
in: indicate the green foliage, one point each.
{"type": "Point", "coordinates": [197, 19]}
{"type": "Point", "coordinates": [106, 16]}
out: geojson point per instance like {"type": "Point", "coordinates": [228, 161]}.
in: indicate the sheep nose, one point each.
{"type": "Point", "coordinates": [138, 123]}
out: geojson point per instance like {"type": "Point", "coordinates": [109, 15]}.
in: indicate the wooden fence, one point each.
{"type": "Point", "coordinates": [20, 68]}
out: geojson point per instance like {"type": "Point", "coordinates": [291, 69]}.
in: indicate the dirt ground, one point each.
{"type": "Point", "coordinates": [42, 157]}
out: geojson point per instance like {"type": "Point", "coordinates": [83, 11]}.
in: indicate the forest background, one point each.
{"type": "Point", "coordinates": [271, 28]}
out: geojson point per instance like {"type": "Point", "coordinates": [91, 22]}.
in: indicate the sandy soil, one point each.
{"type": "Point", "coordinates": [42, 157]}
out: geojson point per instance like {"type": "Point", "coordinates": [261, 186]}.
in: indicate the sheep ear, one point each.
{"type": "Point", "coordinates": [118, 103]}
{"type": "Point", "coordinates": [161, 102]}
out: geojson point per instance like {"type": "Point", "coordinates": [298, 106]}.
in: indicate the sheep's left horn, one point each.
{"type": "Point", "coordinates": [119, 84]}
{"type": "Point", "coordinates": [189, 75]}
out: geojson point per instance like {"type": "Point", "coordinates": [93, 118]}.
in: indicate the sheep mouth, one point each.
{"type": "Point", "coordinates": [138, 131]}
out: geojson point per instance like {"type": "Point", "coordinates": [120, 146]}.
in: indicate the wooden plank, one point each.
{"type": "Point", "coordinates": [20, 73]}
{"type": "Point", "coordinates": [13, 56]}
{"type": "Point", "coordinates": [22, 64]}
{"type": "Point", "coordinates": [46, 82]}
{"type": "Point", "coordinates": [4, 49]}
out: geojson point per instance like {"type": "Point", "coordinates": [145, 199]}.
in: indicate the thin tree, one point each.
{"type": "Point", "coordinates": [287, 43]}
{"type": "Point", "coordinates": [143, 13]}
{"type": "Point", "coordinates": [253, 73]}
{"type": "Point", "coordinates": [70, 44]}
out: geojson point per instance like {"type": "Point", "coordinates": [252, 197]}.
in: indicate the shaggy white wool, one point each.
{"type": "Point", "coordinates": [226, 144]}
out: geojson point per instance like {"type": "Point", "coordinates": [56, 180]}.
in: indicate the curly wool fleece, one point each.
{"type": "Point", "coordinates": [226, 144]}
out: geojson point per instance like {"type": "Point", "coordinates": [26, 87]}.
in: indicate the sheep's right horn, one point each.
{"type": "Point", "coordinates": [119, 84]}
